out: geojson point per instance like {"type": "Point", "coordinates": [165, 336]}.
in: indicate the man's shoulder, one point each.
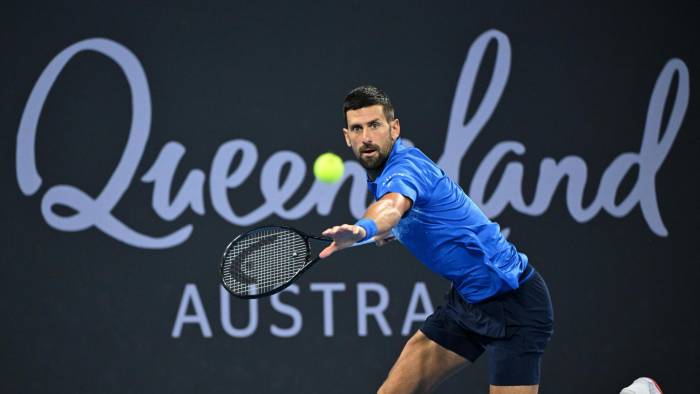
{"type": "Point", "coordinates": [410, 158]}
{"type": "Point", "coordinates": [412, 165]}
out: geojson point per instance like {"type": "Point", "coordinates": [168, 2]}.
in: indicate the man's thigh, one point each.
{"type": "Point", "coordinates": [421, 366]}
{"type": "Point", "coordinates": [514, 389]}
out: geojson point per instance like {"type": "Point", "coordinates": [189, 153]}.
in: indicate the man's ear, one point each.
{"type": "Point", "coordinates": [347, 139]}
{"type": "Point", "coordinates": [395, 129]}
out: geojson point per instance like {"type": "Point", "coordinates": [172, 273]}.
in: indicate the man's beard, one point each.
{"type": "Point", "coordinates": [373, 163]}
{"type": "Point", "coordinates": [376, 162]}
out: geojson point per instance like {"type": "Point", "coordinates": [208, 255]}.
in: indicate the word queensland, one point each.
{"type": "Point", "coordinates": [85, 211]}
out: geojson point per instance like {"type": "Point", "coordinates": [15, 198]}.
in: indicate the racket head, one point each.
{"type": "Point", "coordinates": [264, 261]}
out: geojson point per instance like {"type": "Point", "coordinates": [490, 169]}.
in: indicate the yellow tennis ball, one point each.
{"type": "Point", "coordinates": [329, 168]}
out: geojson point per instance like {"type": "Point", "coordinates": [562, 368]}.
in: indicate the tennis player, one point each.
{"type": "Point", "coordinates": [498, 303]}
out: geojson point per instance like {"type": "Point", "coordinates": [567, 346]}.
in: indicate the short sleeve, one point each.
{"type": "Point", "coordinates": [405, 180]}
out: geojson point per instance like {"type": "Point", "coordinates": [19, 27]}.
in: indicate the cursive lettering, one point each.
{"type": "Point", "coordinates": [463, 129]}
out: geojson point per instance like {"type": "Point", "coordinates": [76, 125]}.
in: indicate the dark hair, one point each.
{"type": "Point", "coordinates": [366, 96]}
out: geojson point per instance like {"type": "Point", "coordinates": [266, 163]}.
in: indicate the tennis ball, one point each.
{"type": "Point", "coordinates": [329, 168]}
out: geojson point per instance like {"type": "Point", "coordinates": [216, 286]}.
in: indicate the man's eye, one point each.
{"type": "Point", "coordinates": [374, 125]}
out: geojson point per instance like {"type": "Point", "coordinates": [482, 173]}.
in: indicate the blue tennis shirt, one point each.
{"type": "Point", "coordinates": [445, 230]}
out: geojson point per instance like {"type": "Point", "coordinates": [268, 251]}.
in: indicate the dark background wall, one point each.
{"type": "Point", "coordinates": [86, 312]}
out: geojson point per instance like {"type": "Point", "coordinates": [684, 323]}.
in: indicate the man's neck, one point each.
{"type": "Point", "coordinates": [373, 174]}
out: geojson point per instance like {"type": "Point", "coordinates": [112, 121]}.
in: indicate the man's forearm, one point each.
{"type": "Point", "coordinates": [385, 215]}
{"type": "Point", "coordinates": [379, 219]}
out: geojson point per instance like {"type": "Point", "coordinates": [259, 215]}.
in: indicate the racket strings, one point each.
{"type": "Point", "coordinates": [263, 260]}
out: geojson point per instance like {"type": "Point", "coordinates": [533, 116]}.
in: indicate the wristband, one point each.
{"type": "Point", "coordinates": [370, 228]}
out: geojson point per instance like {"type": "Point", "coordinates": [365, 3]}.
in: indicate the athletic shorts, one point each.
{"type": "Point", "coordinates": [513, 328]}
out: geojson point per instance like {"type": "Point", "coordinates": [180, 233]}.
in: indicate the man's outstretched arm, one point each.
{"type": "Point", "coordinates": [379, 219]}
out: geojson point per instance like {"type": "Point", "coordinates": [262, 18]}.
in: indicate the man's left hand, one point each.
{"type": "Point", "coordinates": [343, 236]}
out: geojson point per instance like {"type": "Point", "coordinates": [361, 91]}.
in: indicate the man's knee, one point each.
{"type": "Point", "coordinates": [409, 372]}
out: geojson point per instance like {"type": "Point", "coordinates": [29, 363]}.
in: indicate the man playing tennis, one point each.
{"type": "Point", "coordinates": [498, 303]}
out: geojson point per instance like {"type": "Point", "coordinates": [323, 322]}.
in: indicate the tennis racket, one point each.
{"type": "Point", "coordinates": [266, 260]}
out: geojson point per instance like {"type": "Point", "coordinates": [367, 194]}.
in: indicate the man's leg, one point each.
{"type": "Point", "coordinates": [514, 389]}
{"type": "Point", "coordinates": [515, 360]}
{"type": "Point", "coordinates": [422, 365]}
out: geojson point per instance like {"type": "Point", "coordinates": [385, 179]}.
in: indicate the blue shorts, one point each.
{"type": "Point", "coordinates": [513, 328]}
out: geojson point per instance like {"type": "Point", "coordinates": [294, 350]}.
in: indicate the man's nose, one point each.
{"type": "Point", "coordinates": [366, 137]}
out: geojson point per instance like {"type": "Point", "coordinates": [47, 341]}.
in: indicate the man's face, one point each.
{"type": "Point", "coordinates": [370, 136]}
